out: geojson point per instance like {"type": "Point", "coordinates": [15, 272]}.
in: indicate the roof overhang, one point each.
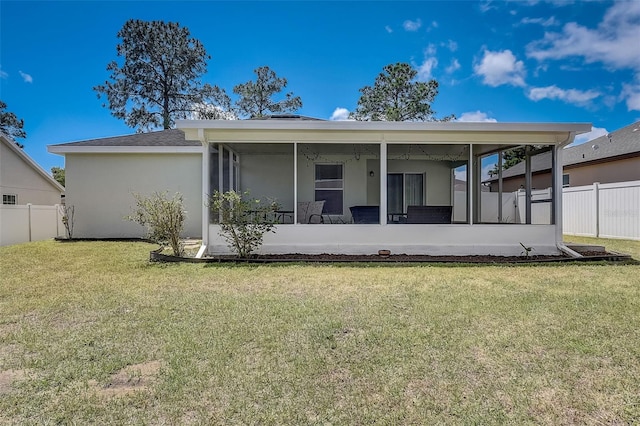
{"type": "Point", "coordinates": [380, 131]}
{"type": "Point", "coordinates": [119, 149]}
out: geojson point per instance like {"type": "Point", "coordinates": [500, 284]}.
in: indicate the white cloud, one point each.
{"type": "Point", "coordinates": [3, 74]}
{"type": "Point", "coordinates": [455, 65]}
{"type": "Point", "coordinates": [410, 25]}
{"type": "Point", "coordinates": [26, 77]}
{"type": "Point", "coordinates": [486, 6]}
{"type": "Point", "coordinates": [571, 96]}
{"type": "Point", "coordinates": [498, 68]}
{"type": "Point", "coordinates": [540, 21]}
{"type": "Point", "coordinates": [388, 29]}
{"type": "Point", "coordinates": [476, 116]}
{"type": "Point", "coordinates": [631, 94]}
{"type": "Point", "coordinates": [425, 69]}
{"type": "Point", "coordinates": [451, 45]}
{"type": "Point", "coordinates": [595, 132]}
{"type": "Point", "coordinates": [340, 114]}
{"type": "Point", "coordinates": [614, 42]}
{"type": "Point", "coordinates": [430, 50]}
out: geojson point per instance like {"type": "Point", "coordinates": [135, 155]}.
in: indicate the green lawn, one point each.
{"type": "Point", "coordinates": [90, 332]}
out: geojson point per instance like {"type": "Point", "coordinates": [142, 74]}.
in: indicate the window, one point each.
{"type": "Point", "coordinates": [329, 186]}
{"type": "Point", "coordinates": [565, 180]}
{"type": "Point", "coordinates": [9, 199]}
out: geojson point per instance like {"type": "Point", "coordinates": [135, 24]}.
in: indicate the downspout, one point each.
{"type": "Point", "coordinates": [205, 195]}
{"type": "Point", "coordinates": [557, 192]}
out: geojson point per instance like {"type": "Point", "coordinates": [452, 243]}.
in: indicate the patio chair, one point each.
{"type": "Point", "coordinates": [365, 214]}
{"type": "Point", "coordinates": [310, 212]}
{"type": "Point", "coordinates": [429, 214]}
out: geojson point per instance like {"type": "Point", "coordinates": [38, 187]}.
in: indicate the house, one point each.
{"type": "Point", "coordinates": [30, 198]}
{"type": "Point", "coordinates": [409, 187]}
{"type": "Point", "coordinates": [611, 158]}
{"type": "Point", "coordinates": [102, 174]}
{"type": "Point", "coordinates": [22, 180]}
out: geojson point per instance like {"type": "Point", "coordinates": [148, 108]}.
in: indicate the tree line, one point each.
{"type": "Point", "coordinates": [156, 79]}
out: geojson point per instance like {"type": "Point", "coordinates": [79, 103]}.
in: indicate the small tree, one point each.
{"type": "Point", "coordinates": [163, 217]}
{"type": "Point", "coordinates": [243, 221]}
{"type": "Point", "coordinates": [68, 213]}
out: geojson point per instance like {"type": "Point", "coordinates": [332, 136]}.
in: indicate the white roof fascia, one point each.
{"type": "Point", "coordinates": [450, 126]}
{"type": "Point", "coordinates": [61, 149]}
{"type": "Point", "coordinates": [20, 152]}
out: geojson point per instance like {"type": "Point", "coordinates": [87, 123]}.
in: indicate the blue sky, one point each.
{"type": "Point", "coordinates": [513, 61]}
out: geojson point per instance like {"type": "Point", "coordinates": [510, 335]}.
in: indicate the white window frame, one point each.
{"type": "Point", "coordinates": [341, 188]}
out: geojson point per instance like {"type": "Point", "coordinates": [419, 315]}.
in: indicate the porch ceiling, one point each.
{"type": "Point", "coordinates": [346, 148]}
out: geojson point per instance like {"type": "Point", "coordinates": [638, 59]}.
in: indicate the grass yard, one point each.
{"type": "Point", "coordinates": [90, 332]}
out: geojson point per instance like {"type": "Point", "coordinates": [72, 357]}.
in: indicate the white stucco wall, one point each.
{"type": "Point", "coordinates": [100, 188]}
{"type": "Point", "coordinates": [437, 179]}
{"type": "Point", "coordinates": [19, 178]}
{"type": "Point", "coordinates": [268, 176]}
{"type": "Point", "coordinates": [441, 239]}
{"type": "Point", "coordinates": [354, 179]}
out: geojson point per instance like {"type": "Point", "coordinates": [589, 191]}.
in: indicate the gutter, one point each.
{"type": "Point", "coordinates": [201, 251]}
{"type": "Point", "coordinates": [566, 250]}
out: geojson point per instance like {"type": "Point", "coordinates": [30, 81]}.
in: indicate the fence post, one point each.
{"type": "Point", "coordinates": [57, 206]}
{"type": "Point", "coordinates": [29, 222]}
{"type": "Point", "coordinates": [596, 202]}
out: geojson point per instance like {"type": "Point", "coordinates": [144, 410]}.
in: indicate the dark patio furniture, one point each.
{"type": "Point", "coordinates": [429, 214]}
{"type": "Point", "coordinates": [310, 211]}
{"type": "Point", "coordinates": [365, 214]}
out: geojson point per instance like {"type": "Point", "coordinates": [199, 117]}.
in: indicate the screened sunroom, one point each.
{"type": "Point", "coordinates": [360, 187]}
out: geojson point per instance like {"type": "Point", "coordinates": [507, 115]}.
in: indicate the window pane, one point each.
{"type": "Point", "coordinates": [9, 199]}
{"type": "Point", "coordinates": [225, 171]}
{"type": "Point", "coordinates": [332, 199]}
{"type": "Point", "coordinates": [394, 193]}
{"type": "Point", "coordinates": [328, 171]}
{"type": "Point", "coordinates": [214, 176]}
{"type": "Point", "coordinates": [414, 189]}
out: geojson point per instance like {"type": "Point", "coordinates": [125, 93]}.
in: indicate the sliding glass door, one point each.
{"type": "Point", "coordinates": [404, 189]}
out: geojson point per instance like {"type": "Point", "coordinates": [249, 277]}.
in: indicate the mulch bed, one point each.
{"type": "Point", "coordinates": [394, 258]}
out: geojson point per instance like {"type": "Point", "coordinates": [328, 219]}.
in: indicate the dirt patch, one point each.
{"type": "Point", "coordinates": [8, 377]}
{"type": "Point", "coordinates": [133, 378]}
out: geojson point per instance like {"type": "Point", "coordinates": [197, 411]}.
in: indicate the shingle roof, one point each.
{"type": "Point", "coordinates": [622, 142]}
{"type": "Point", "coordinates": [172, 137]}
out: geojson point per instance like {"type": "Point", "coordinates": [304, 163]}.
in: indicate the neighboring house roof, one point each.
{"type": "Point", "coordinates": [172, 137]}
{"type": "Point", "coordinates": [20, 152]}
{"type": "Point", "coordinates": [622, 143]}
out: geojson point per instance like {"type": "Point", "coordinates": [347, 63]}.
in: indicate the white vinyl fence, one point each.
{"type": "Point", "coordinates": [609, 210]}
{"type": "Point", "coordinates": [23, 223]}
